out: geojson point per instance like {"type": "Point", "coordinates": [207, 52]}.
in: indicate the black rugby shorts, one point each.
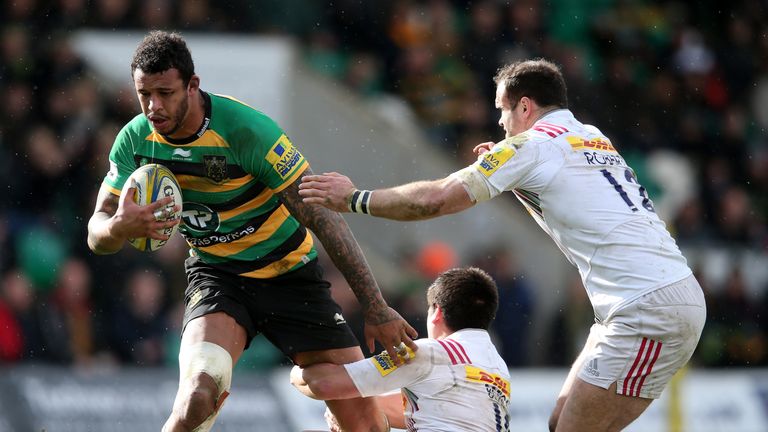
{"type": "Point", "coordinates": [294, 311]}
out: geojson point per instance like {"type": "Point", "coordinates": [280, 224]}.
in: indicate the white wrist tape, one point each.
{"type": "Point", "coordinates": [360, 201]}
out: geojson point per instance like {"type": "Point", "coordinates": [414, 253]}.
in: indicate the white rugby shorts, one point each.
{"type": "Point", "coordinates": [642, 346]}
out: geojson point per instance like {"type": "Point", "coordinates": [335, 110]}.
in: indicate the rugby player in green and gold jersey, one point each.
{"type": "Point", "coordinates": [252, 267]}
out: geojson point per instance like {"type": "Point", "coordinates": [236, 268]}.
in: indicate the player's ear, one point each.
{"type": "Point", "coordinates": [437, 314]}
{"type": "Point", "coordinates": [194, 84]}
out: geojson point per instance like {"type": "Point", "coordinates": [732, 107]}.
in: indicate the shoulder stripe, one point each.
{"type": "Point", "coordinates": [540, 129]}
{"type": "Point", "coordinates": [209, 139]}
{"type": "Point", "coordinates": [448, 350]}
{"type": "Point", "coordinates": [460, 348]}
{"type": "Point", "coordinates": [557, 128]}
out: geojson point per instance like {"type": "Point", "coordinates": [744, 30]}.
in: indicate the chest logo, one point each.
{"type": "Point", "coordinates": [199, 219]}
{"type": "Point", "coordinates": [215, 167]}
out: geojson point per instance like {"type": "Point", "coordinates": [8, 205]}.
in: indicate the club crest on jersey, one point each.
{"type": "Point", "coordinates": [215, 167]}
{"type": "Point", "coordinates": [495, 158]}
{"type": "Point", "coordinates": [283, 156]}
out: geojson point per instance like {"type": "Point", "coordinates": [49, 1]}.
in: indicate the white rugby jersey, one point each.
{"type": "Point", "coordinates": [459, 383]}
{"type": "Point", "coordinates": [581, 192]}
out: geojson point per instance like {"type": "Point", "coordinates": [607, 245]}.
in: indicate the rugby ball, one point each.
{"type": "Point", "coordinates": [154, 182]}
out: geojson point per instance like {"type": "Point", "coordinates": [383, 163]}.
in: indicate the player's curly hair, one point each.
{"type": "Point", "coordinates": [161, 51]}
{"type": "Point", "coordinates": [538, 79]}
{"type": "Point", "coordinates": [468, 297]}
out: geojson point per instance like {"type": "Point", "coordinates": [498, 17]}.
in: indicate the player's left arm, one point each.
{"type": "Point", "coordinates": [412, 201]}
{"type": "Point", "coordinates": [382, 323]}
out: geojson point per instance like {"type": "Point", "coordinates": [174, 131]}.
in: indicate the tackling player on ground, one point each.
{"type": "Point", "coordinates": [253, 266]}
{"type": "Point", "coordinates": [456, 381]}
{"type": "Point", "coordinates": [649, 309]}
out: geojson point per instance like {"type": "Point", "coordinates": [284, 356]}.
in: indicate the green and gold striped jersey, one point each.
{"type": "Point", "coordinates": [230, 172]}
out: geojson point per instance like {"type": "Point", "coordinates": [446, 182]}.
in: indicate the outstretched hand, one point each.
{"type": "Point", "coordinates": [393, 332]}
{"type": "Point", "coordinates": [482, 148]}
{"type": "Point", "coordinates": [331, 190]}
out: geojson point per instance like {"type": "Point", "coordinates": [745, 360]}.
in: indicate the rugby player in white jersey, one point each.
{"type": "Point", "coordinates": [649, 309]}
{"type": "Point", "coordinates": [455, 381]}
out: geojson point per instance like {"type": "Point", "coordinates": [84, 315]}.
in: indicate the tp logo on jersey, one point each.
{"type": "Point", "coordinates": [199, 218]}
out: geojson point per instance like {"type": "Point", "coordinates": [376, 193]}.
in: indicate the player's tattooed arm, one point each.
{"type": "Point", "coordinates": [337, 239]}
{"type": "Point", "coordinates": [382, 322]}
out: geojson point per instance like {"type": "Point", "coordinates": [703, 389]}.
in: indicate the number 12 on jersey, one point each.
{"type": "Point", "coordinates": [646, 203]}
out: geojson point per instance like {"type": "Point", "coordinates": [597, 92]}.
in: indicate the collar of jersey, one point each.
{"type": "Point", "coordinates": [558, 114]}
{"type": "Point", "coordinates": [203, 126]}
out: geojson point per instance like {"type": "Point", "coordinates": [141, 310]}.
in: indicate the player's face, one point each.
{"type": "Point", "coordinates": [510, 119]}
{"type": "Point", "coordinates": [164, 99]}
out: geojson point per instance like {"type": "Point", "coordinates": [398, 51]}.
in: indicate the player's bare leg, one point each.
{"type": "Point", "coordinates": [200, 395]}
{"type": "Point", "coordinates": [595, 409]}
{"type": "Point", "coordinates": [584, 407]}
{"type": "Point", "coordinates": [353, 415]}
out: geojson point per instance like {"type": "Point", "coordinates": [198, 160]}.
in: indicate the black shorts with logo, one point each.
{"type": "Point", "coordinates": [295, 311]}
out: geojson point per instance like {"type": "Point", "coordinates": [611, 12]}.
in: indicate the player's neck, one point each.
{"type": "Point", "coordinates": [195, 121]}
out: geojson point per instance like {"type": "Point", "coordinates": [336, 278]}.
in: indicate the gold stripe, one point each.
{"type": "Point", "coordinates": [289, 181]}
{"type": "Point", "coordinates": [257, 201]}
{"type": "Point", "coordinates": [279, 267]}
{"type": "Point", "coordinates": [204, 184]}
{"type": "Point", "coordinates": [209, 139]}
{"type": "Point", "coordinates": [268, 228]}
{"type": "Point", "coordinates": [110, 189]}
{"type": "Point", "coordinates": [234, 99]}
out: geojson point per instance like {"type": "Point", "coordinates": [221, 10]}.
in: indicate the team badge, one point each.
{"type": "Point", "coordinates": [215, 167]}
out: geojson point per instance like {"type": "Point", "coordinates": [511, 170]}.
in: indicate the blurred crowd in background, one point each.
{"type": "Point", "coordinates": [681, 88]}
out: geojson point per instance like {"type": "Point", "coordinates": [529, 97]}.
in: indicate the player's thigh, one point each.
{"type": "Point", "coordinates": [573, 373]}
{"type": "Point", "coordinates": [590, 408]}
{"type": "Point", "coordinates": [218, 328]}
{"type": "Point", "coordinates": [298, 315]}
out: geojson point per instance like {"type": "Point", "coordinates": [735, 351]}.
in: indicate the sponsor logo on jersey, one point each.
{"type": "Point", "coordinates": [495, 158]}
{"type": "Point", "coordinates": [600, 144]}
{"type": "Point", "coordinates": [283, 156]}
{"type": "Point", "coordinates": [199, 219]}
{"type": "Point", "coordinates": [476, 374]}
{"type": "Point", "coordinates": [182, 153]}
{"type": "Point", "coordinates": [215, 167]}
{"type": "Point", "coordinates": [384, 363]}
{"type": "Point", "coordinates": [339, 318]}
